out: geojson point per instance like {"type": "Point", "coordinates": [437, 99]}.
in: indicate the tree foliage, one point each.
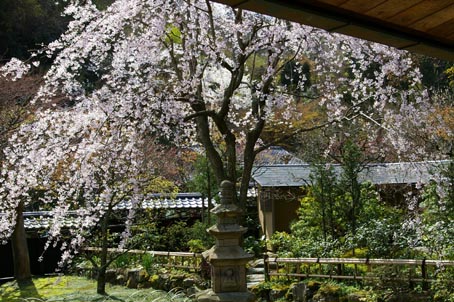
{"type": "Point", "coordinates": [433, 218]}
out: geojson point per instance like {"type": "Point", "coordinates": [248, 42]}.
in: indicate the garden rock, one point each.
{"type": "Point", "coordinates": [188, 282]}
{"type": "Point", "coordinates": [133, 279]}
{"type": "Point", "coordinates": [175, 281]}
{"type": "Point", "coordinates": [300, 292]}
{"type": "Point", "coordinates": [323, 298]}
{"type": "Point", "coordinates": [159, 281]}
{"type": "Point", "coordinates": [191, 291]}
{"type": "Point", "coordinates": [405, 297]}
{"type": "Point", "coordinates": [277, 294]}
{"type": "Point", "coordinates": [120, 280]}
{"type": "Point", "coordinates": [111, 276]}
{"type": "Point", "coordinates": [143, 276]}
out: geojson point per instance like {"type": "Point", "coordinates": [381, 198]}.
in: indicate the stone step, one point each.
{"type": "Point", "coordinates": [255, 270]}
{"type": "Point", "coordinates": [257, 263]}
{"type": "Point", "coordinates": [254, 280]}
{"type": "Point", "coordinates": [250, 285]}
{"type": "Point", "coordinates": [256, 277]}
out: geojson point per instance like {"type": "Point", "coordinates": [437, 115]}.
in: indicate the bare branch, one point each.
{"type": "Point", "coordinates": [288, 136]}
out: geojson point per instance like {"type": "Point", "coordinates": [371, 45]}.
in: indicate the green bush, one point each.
{"type": "Point", "coordinates": [198, 231]}
{"type": "Point", "coordinates": [253, 246]}
{"type": "Point", "coordinates": [124, 261]}
{"type": "Point", "coordinates": [149, 264]}
{"type": "Point", "coordinates": [196, 246]}
{"type": "Point", "coordinates": [443, 290]}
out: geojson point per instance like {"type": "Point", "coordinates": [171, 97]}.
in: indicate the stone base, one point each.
{"type": "Point", "coordinates": [210, 296]}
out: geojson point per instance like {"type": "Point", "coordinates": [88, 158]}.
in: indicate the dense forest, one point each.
{"type": "Point", "coordinates": [28, 24]}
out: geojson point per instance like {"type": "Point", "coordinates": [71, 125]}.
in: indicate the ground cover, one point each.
{"type": "Point", "coordinates": [75, 289]}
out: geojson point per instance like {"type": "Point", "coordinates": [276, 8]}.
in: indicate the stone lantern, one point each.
{"type": "Point", "coordinates": [227, 258]}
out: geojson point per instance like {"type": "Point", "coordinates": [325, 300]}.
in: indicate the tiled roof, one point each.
{"type": "Point", "coordinates": [42, 219]}
{"type": "Point", "coordinates": [179, 201]}
{"type": "Point", "coordinates": [276, 155]}
{"type": "Point", "coordinates": [383, 173]}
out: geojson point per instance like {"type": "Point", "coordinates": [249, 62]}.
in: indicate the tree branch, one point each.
{"type": "Point", "coordinates": [288, 136]}
{"type": "Point", "coordinates": [209, 113]}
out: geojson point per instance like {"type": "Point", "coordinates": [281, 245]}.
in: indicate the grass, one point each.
{"type": "Point", "coordinates": [75, 289]}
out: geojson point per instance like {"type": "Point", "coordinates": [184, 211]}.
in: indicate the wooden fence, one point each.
{"type": "Point", "coordinates": [404, 270]}
{"type": "Point", "coordinates": [413, 271]}
{"type": "Point", "coordinates": [181, 260]}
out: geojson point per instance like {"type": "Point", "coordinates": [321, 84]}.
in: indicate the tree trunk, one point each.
{"type": "Point", "coordinates": [101, 279]}
{"type": "Point", "coordinates": [19, 245]}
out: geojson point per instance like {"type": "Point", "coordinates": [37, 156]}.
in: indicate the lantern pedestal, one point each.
{"type": "Point", "coordinates": [227, 258]}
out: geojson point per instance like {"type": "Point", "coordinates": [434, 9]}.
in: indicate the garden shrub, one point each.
{"type": "Point", "coordinates": [196, 246]}
{"type": "Point", "coordinates": [253, 246]}
{"type": "Point", "coordinates": [125, 260]}
{"type": "Point", "coordinates": [149, 263]}
{"type": "Point", "coordinates": [443, 290]}
{"type": "Point", "coordinates": [198, 231]}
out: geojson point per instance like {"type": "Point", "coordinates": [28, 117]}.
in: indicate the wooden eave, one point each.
{"type": "Point", "coordinates": [421, 26]}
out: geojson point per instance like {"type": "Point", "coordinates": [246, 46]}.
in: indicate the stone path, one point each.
{"type": "Point", "coordinates": [255, 273]}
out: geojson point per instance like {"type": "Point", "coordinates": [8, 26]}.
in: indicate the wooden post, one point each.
{"type": "Point", "coordinates": [356, 272]}
{"type": "Point", "coordinates": [298, 271]}
{"type": "Point", "coordinates": [369, 266]}
{"type": "Point", "coordinates": [425, 285]}
{"type": "Point", "coordinates": [410, 277]}
{"type": "Point", "coordinates": [266, 266]}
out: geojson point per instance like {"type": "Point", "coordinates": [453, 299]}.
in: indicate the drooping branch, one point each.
{"type": "Point", "coordinates": [210, 15]}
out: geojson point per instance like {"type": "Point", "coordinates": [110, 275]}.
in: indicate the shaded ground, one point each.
{"type": "Point", "coordinates": [75, 289]}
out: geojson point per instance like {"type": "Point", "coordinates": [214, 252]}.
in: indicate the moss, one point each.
{"type": "Point", "coordinates": [329, 289]}
{"type": "Point", "coordinates": [153, 278]}
{"type": "Point", "coordinates": [262, 290]}
{"type": "Point", "coordinates": [143, 276]}
{"type": "Point", "coordinates": [41, 288]}
{"type": "Point", "coordinates": [69, 288]}
{"type": "Point", "coordinates": [313, 285]}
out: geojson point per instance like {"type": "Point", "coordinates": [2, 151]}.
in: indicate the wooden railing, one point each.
{"type": "Point", "coordinates": [181, 260]}
{"type": "Point", "coordinates": [423, 271]}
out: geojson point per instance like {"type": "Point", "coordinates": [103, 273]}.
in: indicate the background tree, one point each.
{"type": "Point", "coordinates": [15, 108]}
{"type": "Point", "coordinates": [27, 25]}
{"type": "Point", "coordinates": [433, 215]}
{"type": "Point", "coordinates": [326, 212]}
{"type": "Point", "coordinates": [324, 192]}
{"type": "Point", "coordinates": [94, 166]}
{"type": "Point", "coordinates": [352, 165]}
